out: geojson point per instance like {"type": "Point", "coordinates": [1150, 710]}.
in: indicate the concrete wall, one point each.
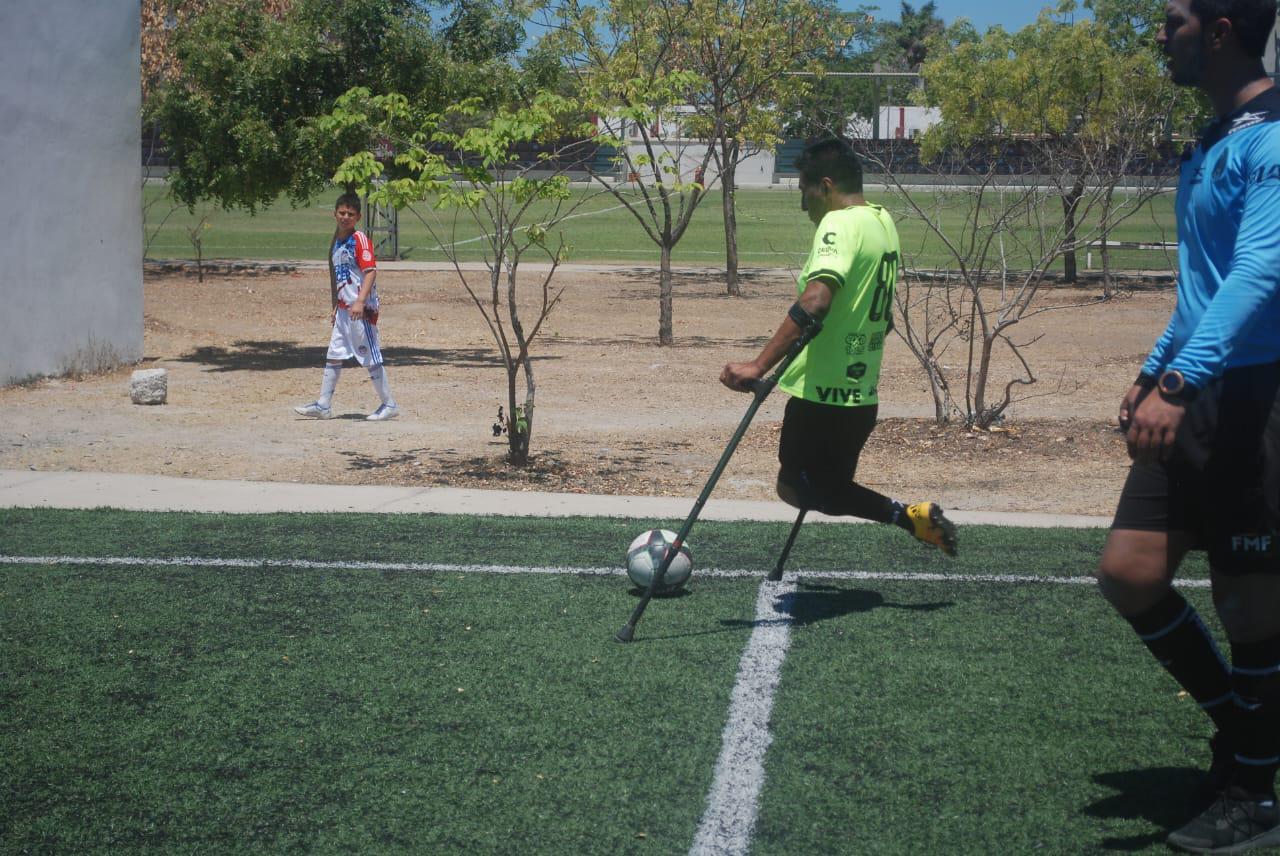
{"type": "Point", "coordinates": [69, 143]}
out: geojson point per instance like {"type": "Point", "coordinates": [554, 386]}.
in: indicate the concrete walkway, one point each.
{"type": "Point", "coordinates": [35, 489]}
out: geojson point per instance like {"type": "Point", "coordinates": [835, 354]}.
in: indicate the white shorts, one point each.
{"type": "Point", "coordinates": [353, 339]}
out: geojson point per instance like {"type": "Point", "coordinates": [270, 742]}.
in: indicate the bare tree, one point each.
{"type": "Point", "coordinates": [470, 166]}
{"type": "Point", "coordinates": [991, 244]}
{"type": "Point", "coordinates": [625, 55]}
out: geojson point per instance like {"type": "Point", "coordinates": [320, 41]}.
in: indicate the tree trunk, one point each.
{"type": "Point", "coordinates": [520, 425]}
{"type": "Point", "coordinates": [1070, 203]}
{"type": "Point", "coordinates": [938, 389]}
{"type": "Point", "coordinates": [520, 417]}
{"type": "Point", "coordinates": [728, 174]}
{"type": "Point", "coordinates": [981, 417]}
{"type": "Point", "coordinates": [664, 298]}
{"type": "Point", "coordinates": [1105, 250]}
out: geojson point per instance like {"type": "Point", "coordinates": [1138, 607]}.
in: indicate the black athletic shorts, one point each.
{"type": "Point", "coordinates": [1222, 481]}
{"type": "Point", "coordinates": [824, 441]}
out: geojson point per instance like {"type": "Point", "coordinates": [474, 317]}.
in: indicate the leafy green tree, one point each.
{"type": "Point", "coordinates": [1129, 25]}
{"type": "Point", "coordinates": [624, 55]}
{"type": "Point", "coordinates": [1075, 117]}
{"type": "Point", "coordinates": [247, 80]}
{"type": "Point", "coordinates": [1064, 90]}
{"type": "Point", "coordinates": [745, 54]}
{"type": "Point", "coordinates": [905, 43]}
{"type": "Point", "coordinates": [480, 30]}
{"type": "Point", "coordinates": [465, 162]}
{"type": "Point", "coordinates": [833, 98]}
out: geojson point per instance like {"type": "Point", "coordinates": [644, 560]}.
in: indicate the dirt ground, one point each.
{"type": "Point", "coordinates": [616, 413]}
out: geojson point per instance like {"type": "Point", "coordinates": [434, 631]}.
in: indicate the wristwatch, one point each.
{"type": "Point", "coordinates": [1173, 386]}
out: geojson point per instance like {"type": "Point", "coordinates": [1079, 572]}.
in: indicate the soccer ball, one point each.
{"type": "Point", "coordinates": [645, 556]}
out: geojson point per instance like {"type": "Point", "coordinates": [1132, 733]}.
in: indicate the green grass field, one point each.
{"type": "Point", "coordinates": [772, 232]}
{"type": "Point", "coordinates": [439, 684]}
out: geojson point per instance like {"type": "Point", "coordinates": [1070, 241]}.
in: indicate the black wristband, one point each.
{"type": "Point", "coordinates": [1145, 381]}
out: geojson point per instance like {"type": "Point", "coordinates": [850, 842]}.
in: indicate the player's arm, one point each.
{"type": "Point", "coordinates": [1254, 278]}
{"type": "Point", "coordinates": [814, 303]}
{"type": "Point", "coordinates": [369, 271]}
{"type": "Point", "coordinates": [333, 278]}
{"type": "Point", "coordinates": [1253, 282]}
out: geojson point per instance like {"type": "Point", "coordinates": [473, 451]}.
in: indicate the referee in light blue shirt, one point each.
{"type": "Point", "coordinates": [1202, 423]}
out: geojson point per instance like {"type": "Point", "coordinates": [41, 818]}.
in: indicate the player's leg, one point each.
{"type": "Point", "coordinates": [1136, 575]}
{"type": "Point", "coordinates": [818, 454]}
{"type": "Point", "coordinates": [1245, 814]}
{"type": "Point", "coordinates": [368, 353]}
{"type": "Point", "coordinates": [322, 408]}
{"type": "Point", "coordinates": [1156, 525]}
{"type": "Point", "coordinates": [339, 350]}
{"type": "Point", "coordinates": [1244, 557]}
{"type": "Point", "coordinates": [1249, 607]}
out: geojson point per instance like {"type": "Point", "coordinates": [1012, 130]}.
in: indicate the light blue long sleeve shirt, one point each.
{"type": "Point", "coordinates": [1228, 214]}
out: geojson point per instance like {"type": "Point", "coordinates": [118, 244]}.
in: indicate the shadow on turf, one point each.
{"type": "Point", "coordinates": [812, 602]}
{"type": "Point", "coordinates": [1160, 796]}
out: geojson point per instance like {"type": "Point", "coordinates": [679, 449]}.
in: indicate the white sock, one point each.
{"type": "Point", "coordinates": [328, 383]}
{"type": "Point", "coordinates": [378, 375]}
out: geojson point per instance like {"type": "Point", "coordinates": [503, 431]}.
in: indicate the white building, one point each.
{"type": "Point", "coordinates": [673, 146]}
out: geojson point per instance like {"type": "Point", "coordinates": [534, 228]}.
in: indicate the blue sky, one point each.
{"type": "Point", "coordinates": [1010, 14]}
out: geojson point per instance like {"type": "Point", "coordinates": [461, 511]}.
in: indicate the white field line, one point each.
{"type": "Point", "coordinates": [436, 567]}
{"type": "Point", "coordinates": [734, 799]}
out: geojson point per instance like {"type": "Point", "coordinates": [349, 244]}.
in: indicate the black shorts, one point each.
{"type": "Point", "coordinates": [824, 441]}
{"type": "Point", "coordinates": [1222, 481]}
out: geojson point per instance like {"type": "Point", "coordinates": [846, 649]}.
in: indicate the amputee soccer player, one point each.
{"type": "Point", "coordinates": [1202, 423]}
{"type": "Point", "coordinates": [847, 284]}
{"type": "Point", "coordinates": [354, 316]}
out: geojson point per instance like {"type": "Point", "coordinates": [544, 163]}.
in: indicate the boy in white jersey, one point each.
{"type": "Point", "coordinates": [847, 283]}
{"type": "Point", "coordinates": [354, 296]}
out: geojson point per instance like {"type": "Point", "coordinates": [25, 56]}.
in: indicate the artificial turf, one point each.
{"type": "Point", "coordinates": [199, 708]}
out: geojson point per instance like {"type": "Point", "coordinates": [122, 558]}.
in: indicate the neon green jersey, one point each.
{"type": "Point", "coordinates": [855, 252]}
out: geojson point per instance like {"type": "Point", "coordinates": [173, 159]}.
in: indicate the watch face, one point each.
{"type": "Point", "coordinates": [1171, 382]}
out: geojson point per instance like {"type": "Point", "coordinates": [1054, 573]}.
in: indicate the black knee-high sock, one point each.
{"type": "Point", "coordinates": [1174, 633]}
{"type": "Point", "coordinates": [1255, 676]}
{"type": "Point", "coordinates": [853, 500]}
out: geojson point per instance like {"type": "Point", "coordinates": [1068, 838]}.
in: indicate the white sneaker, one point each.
{"type": "Point", "coordinates": [314, 410]}
{"type": "Point", "coordinates": [383, 413]}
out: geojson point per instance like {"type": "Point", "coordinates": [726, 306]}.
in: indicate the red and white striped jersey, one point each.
{"type": "Point", "coordinates": [351, 258]}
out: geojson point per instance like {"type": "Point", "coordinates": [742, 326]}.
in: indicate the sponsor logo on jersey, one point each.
{"type": "Point", "coordinates": [855, 343]}
{"type": "Point", "coordinates": [828, 246]}
{"type": "Point", "coordinates": [877, 341]}
{"type": "Point", "coordinates": [857, 371]}
{"type": "Point", "coordinates": [1246, 120]}
{"type": "Point", "coordinates": [835, 395]}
